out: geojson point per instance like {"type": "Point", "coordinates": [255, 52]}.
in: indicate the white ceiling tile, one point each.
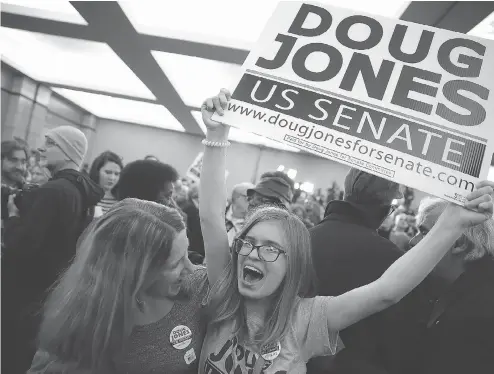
{"type": "Point", "coordinates": [56, 10]}
{"type": "Point", "coordinates": [72, 62]}
{"type": "Point", "coordinates": [230, 23]}
{"type": "Point", "coordinates": [485, 28]}
{"type": "Point", "coordinates": [194, 78]}
{"type": "Point", "coordinates": [125, 110]}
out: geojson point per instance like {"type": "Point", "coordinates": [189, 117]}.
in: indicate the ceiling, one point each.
{"type": "Point", "coordinates": [152, 63]}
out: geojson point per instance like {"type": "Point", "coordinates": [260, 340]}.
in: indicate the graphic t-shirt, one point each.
{"type": "Point", "coordinates": [309, 336]}
{"type": "Point", "coordinates": [173, 344]}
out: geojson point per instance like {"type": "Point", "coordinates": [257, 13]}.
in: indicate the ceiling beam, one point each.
{"type": "Point", "coordinates": [154, 43]}
{"type": "Point", "coordinates": [196, 49]}
{"type": "Point", "coordinates": [47, 26]}
{"type": "Point", "coordinates": [459, 16]}
{"type": "Point", "coordinates": [121, 36]}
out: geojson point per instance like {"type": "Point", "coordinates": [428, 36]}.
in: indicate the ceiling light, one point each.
{"type": "Point", "coordinates": [71, 62]}
{"type": "Point", "coordinates": [54, 10]}
{"type": "Point", "coordinates": [125, 110]}
{"type": "Point", "coordinates": [292, 173]}
{"type": "Point", "coordinates": [281, 168]}
{"type": "Point", "coordinates": [195, 78]}
{"type": "Point", "coordinates": [485, 28]}
{"type": "Point", "coordinates": [218, 22]}
{"type": "Point", "coordinates": [307, 187]}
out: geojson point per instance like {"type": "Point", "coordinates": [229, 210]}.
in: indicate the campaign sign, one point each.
{"type": "Point", "coordinates": [194, 170]}
{"type": "Point", "coordinates": [403, 101]}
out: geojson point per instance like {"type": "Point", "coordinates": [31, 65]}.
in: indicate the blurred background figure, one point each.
{"type": "Point", "coordinates": [300, 211]}
{"type": "Point", "coordinates": [237, 210]}
{"type": "Point", "coordinates": [271, 189]}
{"type": "Point", "coordinates": [459, 306]}
{"type": "Point", "coordinates": [105, 171]}
{"type": "Point", "coordinates": [14, 163]}
{"type": "Point", "coordinates": [399, 234]}
{"type": "Point", "coordinates": [39, 175]}
{"type": "Point", "coordinates": [181, 193]}
{"type": "Point", "coordinates": [194, 232]}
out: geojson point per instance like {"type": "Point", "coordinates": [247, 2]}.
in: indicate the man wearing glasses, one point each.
{"type": "Point", "coordinates": [270, 190]}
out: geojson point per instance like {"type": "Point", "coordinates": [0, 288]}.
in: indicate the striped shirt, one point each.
{"type": "Point", "coordinates": [106, 203]}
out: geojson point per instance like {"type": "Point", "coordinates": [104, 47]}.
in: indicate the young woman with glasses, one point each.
{"type": "Point", "coordinates": [258, 318]}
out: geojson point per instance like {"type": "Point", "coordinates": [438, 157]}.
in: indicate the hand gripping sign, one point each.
{"type": "Point", "coordinates": [403, 101]}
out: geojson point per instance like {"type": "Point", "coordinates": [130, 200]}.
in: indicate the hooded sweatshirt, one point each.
{"type": "Point", "coordinates": [41, 243]}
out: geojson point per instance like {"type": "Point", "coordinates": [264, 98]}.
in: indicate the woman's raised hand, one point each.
{"type": "Point", "coordinates": [216, 104]}
{"type": "Point", "coordinates": [478, 208]}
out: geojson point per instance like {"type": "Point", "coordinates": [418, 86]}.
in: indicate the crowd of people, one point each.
{"type": "Point", "coordinates": [130, 268]}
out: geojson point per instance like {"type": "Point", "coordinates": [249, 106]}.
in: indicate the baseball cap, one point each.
{"type": "Point", "coordinates": [272, 187]}
{"type": "Point", "coordinates": [364, 188]}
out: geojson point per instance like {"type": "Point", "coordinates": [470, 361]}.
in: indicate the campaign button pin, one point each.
{"type": "Point", "coordinates": [270, 351]}
{"type": "Point", "coordinates": [180, 337]}
{"type": "Point", "coordinates": [190, 356]}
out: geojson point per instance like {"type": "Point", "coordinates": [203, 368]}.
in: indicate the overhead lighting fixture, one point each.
{"type": "Point", "coordinates": [124, 110]}
{"type": "Point", "coordinates": [217, 22]}
{"type": "Point", "coordinates": [307, 187]}
{"type": "Point", "coordinates": [196, 78]}
{"type": "Point", "coordinates": [72, 62]}
{"type": "Point", "coordinates": [297, 186]}
{"type": "Point", "coordinates": [280, 168]}
{"type": "Point", "coordinates": [292, 173]}
{"type": "Point", "coordinates": [53, 10]}
{"type": "Point", "coordinates": [485, 28]}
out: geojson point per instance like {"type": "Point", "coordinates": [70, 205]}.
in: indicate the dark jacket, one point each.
{"type": "Point", "coordinates": [458, 328]}
{"type": "Point", "coordinates": [348, 253]}
{"type": "Point", "coordinates": [42, 241]}
{"type": "Point", "coordinates": [194, 231]}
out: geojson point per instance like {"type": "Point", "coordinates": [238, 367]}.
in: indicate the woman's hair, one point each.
{"type": "Point", "coordinates": [227, 303]}
{"type": "Point", "coordinates": [476, 241]}
{"type": "Point", "coordinates": [88, 316]}
{"type": "Point", "coordinates": [101, 161]}
{"type": "Point", "coordinates": [10, 146]}
{"type": "Point", "coordinates": [144, 179]}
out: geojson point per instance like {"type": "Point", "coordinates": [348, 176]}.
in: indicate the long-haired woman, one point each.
{"type": "Point", "coordinates": [105, 170]}
{"type": "Point", "coordinates": [131, 300]}
{"type": "Point", "coordinates": [258, 317]}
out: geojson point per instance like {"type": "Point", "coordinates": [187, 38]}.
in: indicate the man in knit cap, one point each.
{"type": "Point", "coordinates": [348, 253]}
{"type": "Point", "coordinates": [40, 240]}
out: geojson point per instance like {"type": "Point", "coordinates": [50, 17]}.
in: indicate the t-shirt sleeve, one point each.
{"type": "Point", "coordinates": [319, 339]}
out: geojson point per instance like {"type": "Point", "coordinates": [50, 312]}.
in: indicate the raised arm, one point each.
{"type": "Point", "coordinates": [412, 268]}
{"type": "Point", "coordinates": [212, 190]}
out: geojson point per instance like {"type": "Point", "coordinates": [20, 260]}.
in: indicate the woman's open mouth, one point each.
{"type": "Point", "coordinates": [252, 274]}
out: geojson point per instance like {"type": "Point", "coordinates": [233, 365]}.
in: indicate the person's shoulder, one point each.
{"type": "Point", "coordinates": [59, 185]}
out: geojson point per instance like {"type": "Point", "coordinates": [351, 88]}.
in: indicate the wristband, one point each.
{"type": "Point", "coordinates": [209, 143]}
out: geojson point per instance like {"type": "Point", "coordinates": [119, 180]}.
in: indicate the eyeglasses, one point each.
{"type": "Point", "coordinates": [266, 253]}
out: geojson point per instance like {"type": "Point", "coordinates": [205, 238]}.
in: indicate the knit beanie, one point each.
{"type": "Point", "coordinates": [71, 141]}
{"type": "Point", "coordinates": [364, 188]}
